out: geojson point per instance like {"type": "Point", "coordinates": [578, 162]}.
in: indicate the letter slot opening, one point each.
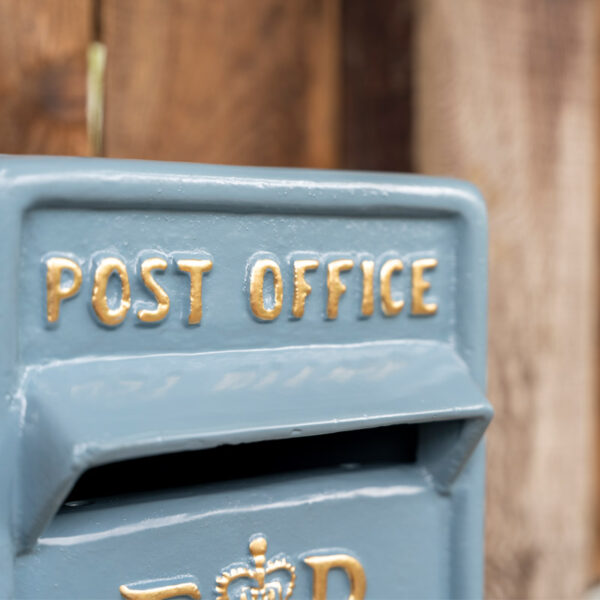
{"type": "Point", "coordinates": [291, 457]}
{"type": "Point", "coordinates": [355, 403]}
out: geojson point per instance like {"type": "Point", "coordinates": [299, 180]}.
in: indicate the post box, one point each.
{"type": "Point", "coordinates": [239, 383]}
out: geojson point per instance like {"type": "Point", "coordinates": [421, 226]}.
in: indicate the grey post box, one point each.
{"type": "Point", "coordinates": [239, 383]}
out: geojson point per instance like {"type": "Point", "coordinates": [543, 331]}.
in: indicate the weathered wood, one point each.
{"type": "Point", "coordinates": [377, 91]}
{"type": "Point", "coordinates": [505, 97]}
{"type": "Point", "coordinates": [43, 76]}
{"type": "Point", "coordinates": [227, 81]}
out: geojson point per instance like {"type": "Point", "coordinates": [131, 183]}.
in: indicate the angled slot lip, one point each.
{"type": "Point", "coordinates": [68, 430]}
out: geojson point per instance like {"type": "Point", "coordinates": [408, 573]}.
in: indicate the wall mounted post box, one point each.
{"type": "Point", "coordinates": [239, 383]}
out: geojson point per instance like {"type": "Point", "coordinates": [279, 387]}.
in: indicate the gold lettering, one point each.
{"type": "Point", "coordinates": [420, 286]}
{"type": "Point", "coordinates": [321, 565]}
{"type": "Point", "coordinates": [162, 299]}
{"type": "Point", "coordinates": [367, 266]}
{"type": "Point", "coordinates": [335, 287]}
{"type": "Point", "coordinates": [196, 268]}
{"type": "Point", "coordinates": [257, 280]}
{"type": "Point", "coordinates": [389, 306]}
{"type": "Point", "coordinates": [104, 270]}
{"type": "Point", "coordinates": [301, 288]}
{"type": "Point", "coordinates": [55, 294]}
{"type": "Point", "coordinates": [162, 593]}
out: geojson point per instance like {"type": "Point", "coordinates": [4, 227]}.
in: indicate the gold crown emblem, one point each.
{"type": "Point", "coordinates": [260, 588]}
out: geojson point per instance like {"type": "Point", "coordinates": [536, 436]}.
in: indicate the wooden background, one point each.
{"type": "Point", "coordinates": [502, 93]}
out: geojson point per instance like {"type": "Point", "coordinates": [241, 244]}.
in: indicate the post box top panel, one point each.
{"type": "Point", "coordinates": [120, 258]}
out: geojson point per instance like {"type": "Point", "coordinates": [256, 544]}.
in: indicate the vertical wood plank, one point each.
{"type": "Point", "coordinates": [506, 98]}
{"type": "Point", "coordinates": [43, 76]}
{"type": "Point", "coordinates": [377, 90]}
{"type": "Point", "coordinates": [227, 81]}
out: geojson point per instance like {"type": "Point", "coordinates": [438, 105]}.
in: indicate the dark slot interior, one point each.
{"type": "Point", "coordinates": [394, 444]}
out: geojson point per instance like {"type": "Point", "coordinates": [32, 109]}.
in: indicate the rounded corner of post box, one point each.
{"type": "Point", "coordinates": [468, 201]}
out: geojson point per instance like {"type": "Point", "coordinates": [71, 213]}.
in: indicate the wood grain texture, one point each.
{"type": "Point", "coordinates": [43, 76]}
{"type": "Point", "coordinates": [505, 97]}
{"type": "Point", "coordinates": [224, 82]}
{"type": "Point", "coordinates": [377, 90]}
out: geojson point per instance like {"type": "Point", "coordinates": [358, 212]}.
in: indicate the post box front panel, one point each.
{"type": "Point", "coordinates": [157, 309]}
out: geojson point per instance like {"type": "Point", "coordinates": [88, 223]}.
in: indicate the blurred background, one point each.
{"type": "Point", "coordinates": [502, 93]}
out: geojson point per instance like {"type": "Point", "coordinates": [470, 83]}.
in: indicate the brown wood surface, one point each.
{"type": "Point", "coordinates": [229, 81]}
{"type": "Point", "coordinates": [43, 49]}
{"type": "Point", "coordinates": [500, 93]}
{"type": "Point", "coordinates": [505, 97]}
{"type": "Point", "coordinates": [376, 92]}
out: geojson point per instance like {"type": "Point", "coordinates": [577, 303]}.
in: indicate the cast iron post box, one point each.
{"type": "Point", "coordinates": [239, 383]}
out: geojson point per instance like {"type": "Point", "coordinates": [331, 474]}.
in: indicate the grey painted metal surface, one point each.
{"type": "Point", "coordinates": [78, 393]}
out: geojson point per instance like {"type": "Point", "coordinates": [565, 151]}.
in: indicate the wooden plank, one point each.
{"type": "Point", "coordinates": [377, 90]}
{"type": "Point", "coordinates": [43, 76]}
{"type": "Point", "coordinates": [227, 81]}
{"type": "Point", "coordinates": [505, 97]}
